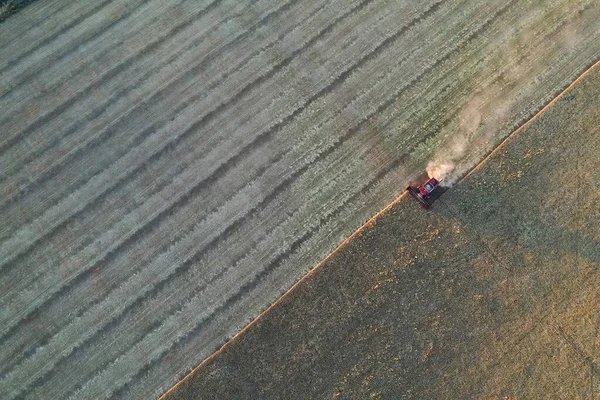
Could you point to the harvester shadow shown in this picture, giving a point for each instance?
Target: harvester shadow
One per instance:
(437, 193)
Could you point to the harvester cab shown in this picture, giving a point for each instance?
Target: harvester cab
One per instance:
(423, 193)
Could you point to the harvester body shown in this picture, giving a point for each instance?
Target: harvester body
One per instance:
(422, 193)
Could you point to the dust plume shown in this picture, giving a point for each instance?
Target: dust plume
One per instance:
(444, 164)
(486, 115)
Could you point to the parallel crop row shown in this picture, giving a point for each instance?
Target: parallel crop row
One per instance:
(184, 164)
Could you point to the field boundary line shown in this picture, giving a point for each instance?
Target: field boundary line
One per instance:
(371, 221)
(530, 120)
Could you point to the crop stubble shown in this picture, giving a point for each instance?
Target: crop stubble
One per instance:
(491, 295)
(226, 164)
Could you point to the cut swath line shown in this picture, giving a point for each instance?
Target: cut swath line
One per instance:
(275, 128)
(285, 121)
(476, 31)
(62, 30)
(108, 75)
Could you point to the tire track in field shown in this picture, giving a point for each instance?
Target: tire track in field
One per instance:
(194, 186)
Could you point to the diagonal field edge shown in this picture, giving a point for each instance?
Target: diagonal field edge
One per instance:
(471, 35)
(285, 121)
(362, 228)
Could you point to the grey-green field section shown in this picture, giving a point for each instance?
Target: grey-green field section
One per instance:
(169, 168)
(10, 7)
(492, 294)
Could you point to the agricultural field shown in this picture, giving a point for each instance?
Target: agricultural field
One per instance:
(169, 168)
(492, 294)
(10, 7)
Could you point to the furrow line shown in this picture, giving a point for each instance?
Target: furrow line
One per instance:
(244, 149)
(105, 20)
(124, 266)
(349, 175)
(108, 47)
(290, 202)
(149, 148)
(124, 167)
(183, 96)
(196, 345)
(76, 297)
(379, 176)
(107, 50)
(80, 16)
(169, 328)
(311, 249)
(282, 185)
(38, 16)
(90, 141)
(141, 71)
(63, 343)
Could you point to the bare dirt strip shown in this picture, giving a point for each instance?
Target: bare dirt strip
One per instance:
(168, 169)
(492, 294)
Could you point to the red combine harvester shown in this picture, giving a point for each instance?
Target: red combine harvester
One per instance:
(422, 193)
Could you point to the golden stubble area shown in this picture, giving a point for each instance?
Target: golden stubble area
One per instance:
(492, 294)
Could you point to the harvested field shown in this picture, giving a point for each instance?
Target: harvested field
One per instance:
(168, 169)
(491, 295)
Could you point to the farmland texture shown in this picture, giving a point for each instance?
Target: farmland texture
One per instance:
(493, 294)
(9, 7)
(168, 169)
